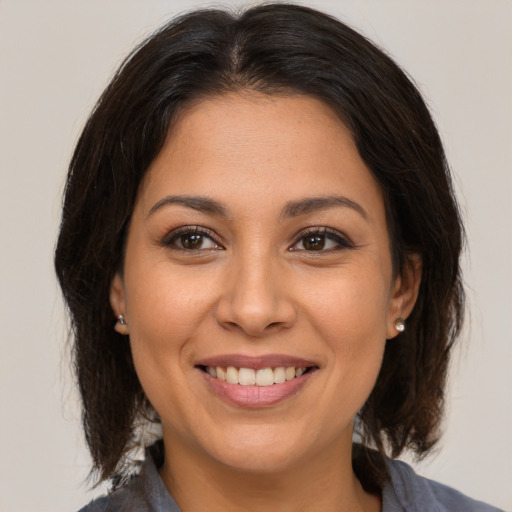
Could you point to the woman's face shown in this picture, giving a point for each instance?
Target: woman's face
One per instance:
(258, 241)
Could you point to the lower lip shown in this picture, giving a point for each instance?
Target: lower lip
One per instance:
(256, 396)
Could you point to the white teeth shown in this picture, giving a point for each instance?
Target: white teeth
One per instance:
(251, 377)
(279, 375)
(290, 373)
(232, 375)
(247, 377)
(264, 377)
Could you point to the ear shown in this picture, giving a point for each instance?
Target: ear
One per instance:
(404, 293)
(118, 302)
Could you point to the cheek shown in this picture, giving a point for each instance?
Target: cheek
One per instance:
(349, 304)
(165, 309)
(349, 312)
(164, 300)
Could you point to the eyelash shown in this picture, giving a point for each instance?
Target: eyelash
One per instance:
(341, 241)
(171, 238)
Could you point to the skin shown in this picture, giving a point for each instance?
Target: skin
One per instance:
(254, 287)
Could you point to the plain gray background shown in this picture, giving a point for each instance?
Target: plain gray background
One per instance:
(55, 58)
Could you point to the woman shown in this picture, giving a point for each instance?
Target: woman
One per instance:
(260, 251)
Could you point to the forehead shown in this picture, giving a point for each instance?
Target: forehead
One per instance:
(243, 123)
(252, 145)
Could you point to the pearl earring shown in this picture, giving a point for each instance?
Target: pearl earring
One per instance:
(121, 320)
(399, 324)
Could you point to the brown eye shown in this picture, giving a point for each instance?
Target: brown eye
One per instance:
(314, 242)
(191, 241)
(322, 240)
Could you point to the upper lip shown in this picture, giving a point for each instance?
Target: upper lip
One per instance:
(255, 362)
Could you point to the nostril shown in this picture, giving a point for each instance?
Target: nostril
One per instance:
(255, 313)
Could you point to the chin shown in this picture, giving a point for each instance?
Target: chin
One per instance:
(258, 449)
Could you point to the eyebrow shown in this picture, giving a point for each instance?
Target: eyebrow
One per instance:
(199, 203)
(291, 209)
(313, 204)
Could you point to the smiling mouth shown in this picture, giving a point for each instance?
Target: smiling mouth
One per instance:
(262, 377)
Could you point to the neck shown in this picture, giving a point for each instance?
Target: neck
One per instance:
(325, 482)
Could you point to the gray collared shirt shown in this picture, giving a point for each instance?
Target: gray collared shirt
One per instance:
(404, 492)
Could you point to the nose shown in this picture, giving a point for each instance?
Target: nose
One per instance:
(255, 299)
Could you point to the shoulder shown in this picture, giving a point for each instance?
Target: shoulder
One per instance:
(144, 492)
(129, 498)
(406, 491)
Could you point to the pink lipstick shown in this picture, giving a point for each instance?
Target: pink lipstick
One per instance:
(249, 381)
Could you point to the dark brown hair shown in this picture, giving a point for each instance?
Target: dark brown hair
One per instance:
(274, 49)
